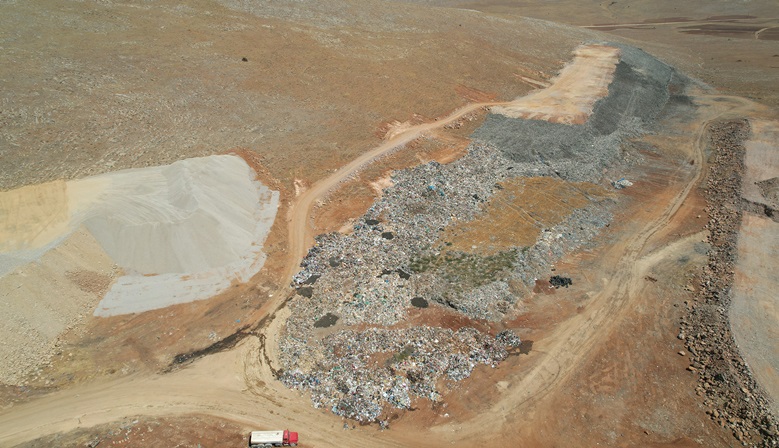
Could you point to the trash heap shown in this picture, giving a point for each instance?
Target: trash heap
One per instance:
(336, 344)
(359, 371)
(367, 276)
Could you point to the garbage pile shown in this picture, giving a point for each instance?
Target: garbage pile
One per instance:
(622, 183)
(374, 262)
(558, 281)
(361, 372)
(573, 233)
(393, 261)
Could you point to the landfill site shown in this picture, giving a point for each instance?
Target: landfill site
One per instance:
(388, 223)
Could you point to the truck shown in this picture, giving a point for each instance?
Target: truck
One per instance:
(272, 438)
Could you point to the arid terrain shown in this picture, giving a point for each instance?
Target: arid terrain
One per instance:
(389, 223)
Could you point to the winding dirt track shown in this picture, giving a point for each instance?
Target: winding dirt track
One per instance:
(211, 385)
(239, 386)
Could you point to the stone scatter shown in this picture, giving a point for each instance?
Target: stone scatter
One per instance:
(734, 398)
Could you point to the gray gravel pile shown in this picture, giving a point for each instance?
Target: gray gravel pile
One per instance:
(361, 372)
(637, 95)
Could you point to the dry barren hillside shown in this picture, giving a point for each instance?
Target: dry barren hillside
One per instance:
(386, 223)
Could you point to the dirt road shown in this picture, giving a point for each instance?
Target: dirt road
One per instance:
(239, 386)
(211, 385)
(223, 385)
(573, 340)
(300, 233)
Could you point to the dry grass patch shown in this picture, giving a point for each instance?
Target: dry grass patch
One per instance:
(518, 212)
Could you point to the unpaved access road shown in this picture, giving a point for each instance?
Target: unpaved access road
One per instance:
(574, 339)
(239, 386)
(223, 385)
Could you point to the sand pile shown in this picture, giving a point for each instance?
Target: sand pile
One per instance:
(180, 232)
(134, 240)
(573, 93)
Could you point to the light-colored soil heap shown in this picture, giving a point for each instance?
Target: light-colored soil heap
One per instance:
(179, 232)
(575, 90)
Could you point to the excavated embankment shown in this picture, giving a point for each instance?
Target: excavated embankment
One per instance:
(734, 398)
(641, 88)
(347, 341)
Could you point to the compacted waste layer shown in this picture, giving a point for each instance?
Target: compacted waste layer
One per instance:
(397, 255)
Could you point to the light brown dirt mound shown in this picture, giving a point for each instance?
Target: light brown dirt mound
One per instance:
(32, 216)
(180, 233)
(573, 92)
(46, 298)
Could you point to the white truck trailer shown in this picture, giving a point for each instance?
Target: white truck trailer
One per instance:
(272, 438)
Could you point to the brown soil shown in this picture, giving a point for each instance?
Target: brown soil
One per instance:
(353, 197)
(601, 363)
(142, 432)
(606, 348)
(632, 388)
(516, 215)
(574, 90)
(719, 59)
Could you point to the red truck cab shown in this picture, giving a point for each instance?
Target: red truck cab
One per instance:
(290, 438)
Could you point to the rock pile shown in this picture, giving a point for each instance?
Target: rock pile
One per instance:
(357, 373)
(733, 395)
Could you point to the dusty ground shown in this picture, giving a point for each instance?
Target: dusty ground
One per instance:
(584, 377)
(162, 82)
(755, 311)
(717, 41)
(141, 432)
(129, 87)
(619, 290)
(574, 91)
